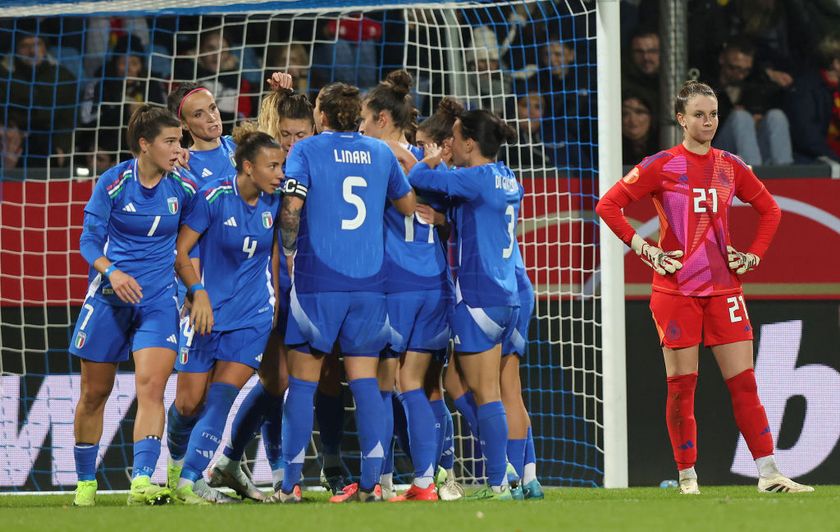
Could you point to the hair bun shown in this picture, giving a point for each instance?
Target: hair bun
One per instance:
(400, 82)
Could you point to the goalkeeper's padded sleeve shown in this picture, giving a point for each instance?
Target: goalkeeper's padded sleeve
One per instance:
(770, 216)
(609, 209)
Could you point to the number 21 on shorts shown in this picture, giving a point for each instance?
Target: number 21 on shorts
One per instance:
(736, 303)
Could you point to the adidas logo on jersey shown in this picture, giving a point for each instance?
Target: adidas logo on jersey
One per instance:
(129, 208)
(231, 222)
(457, 340)
(206, 173)
(172, 339)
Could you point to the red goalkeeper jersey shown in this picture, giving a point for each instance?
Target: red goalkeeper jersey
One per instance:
(692, 195)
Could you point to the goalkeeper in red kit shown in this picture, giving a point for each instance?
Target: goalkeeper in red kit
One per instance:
(696, 286)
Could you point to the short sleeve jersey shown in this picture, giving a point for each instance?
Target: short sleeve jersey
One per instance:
(142, 226)
(485, 221)
(235, 246)
(346, 180)
(692, 194)
(218, 163)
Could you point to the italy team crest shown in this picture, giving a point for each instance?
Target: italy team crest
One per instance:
(173, 205)
(184, 355)
(81, 337)
(267, 220)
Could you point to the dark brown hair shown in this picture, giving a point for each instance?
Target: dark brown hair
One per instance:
(146, 122)
(249, 141)
(342, 105)
(439, 125)
(394, 95)
(690, 89)
(487, 129)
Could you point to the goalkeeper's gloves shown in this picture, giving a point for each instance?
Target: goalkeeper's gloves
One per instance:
(662, 262)
(741, 262)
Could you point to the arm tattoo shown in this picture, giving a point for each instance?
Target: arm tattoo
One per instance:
(290, 221)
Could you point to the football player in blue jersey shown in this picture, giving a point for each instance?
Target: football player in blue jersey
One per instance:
(130, 226)
(487, 302)
(437, 129)
(210, 152)
(418, 295)
(210, 157)
(288, 118)
(336, 187)
(230, 318)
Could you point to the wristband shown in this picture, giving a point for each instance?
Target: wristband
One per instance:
(196, 287)
(109, 270)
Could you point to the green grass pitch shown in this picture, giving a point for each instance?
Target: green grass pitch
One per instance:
(738, 508)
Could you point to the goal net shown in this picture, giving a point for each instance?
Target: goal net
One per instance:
(72, 72)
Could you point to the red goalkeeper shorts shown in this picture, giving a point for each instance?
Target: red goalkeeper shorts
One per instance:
(680, 320)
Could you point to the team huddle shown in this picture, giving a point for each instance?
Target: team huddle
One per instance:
(310, 247)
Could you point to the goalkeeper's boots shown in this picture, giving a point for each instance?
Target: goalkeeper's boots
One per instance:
(145, 493)
(517, 493)
(173, 474)
(282, 497)
(85, 493)
(186, 495)
(533, 490)
(781, 484)
(228, 473)
(333, 479)
(450, 490)
(416, 493)
(689, 486)
(488, 493)
(212, 495)
(352, 492)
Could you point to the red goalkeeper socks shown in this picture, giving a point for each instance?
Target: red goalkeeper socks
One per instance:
(749, 414)
(679, 416)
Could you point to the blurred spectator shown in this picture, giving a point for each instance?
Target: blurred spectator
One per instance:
(751, 125)
(350, 55)
(11, 146)
(640, 70)
(529, 151)
(488, 86)
(290, 58)
(570, 105)
(814, 106)
(41, 99)
(109, 103)
(218, 70)
(100, 155)
(638, 129)
(103, 33)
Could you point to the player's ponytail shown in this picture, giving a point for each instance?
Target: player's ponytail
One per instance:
(249, 141)
(280, 105)
(690, 89)
(439, 125)
(146, 122)
(394, 95)
(487, 129)
(342, 106)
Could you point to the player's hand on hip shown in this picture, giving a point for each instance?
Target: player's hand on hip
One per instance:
(661, 261)
(201, 313)
(741, 262)
(126, 287)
